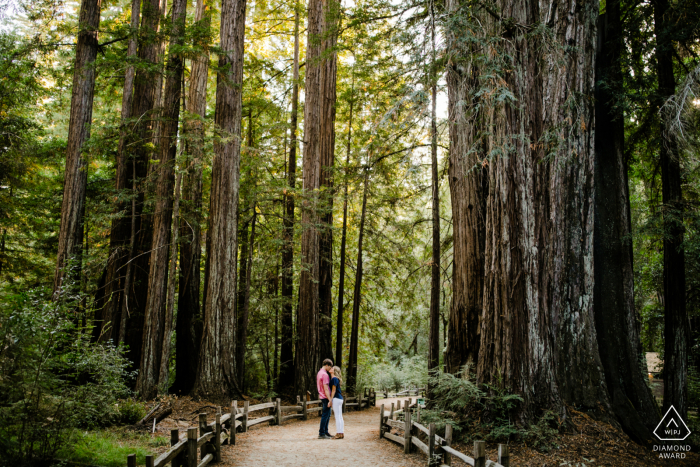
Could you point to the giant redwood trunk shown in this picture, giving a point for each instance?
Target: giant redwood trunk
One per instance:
(286, 374)
(216, 372)
(329, 66)
(70, 238)
(130, 244)
(676, 332)
(467, 192)
(613, 299)
(538, 335)
(189, 322)
(319, 116)
(111, 295)
(156, 304)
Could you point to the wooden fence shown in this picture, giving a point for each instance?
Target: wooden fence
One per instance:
(208, 438)
(408, 433)
(405, 392)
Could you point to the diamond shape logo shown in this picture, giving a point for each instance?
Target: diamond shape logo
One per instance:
(672, 427)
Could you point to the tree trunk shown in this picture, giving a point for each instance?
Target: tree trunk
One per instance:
(121, 241)
(319, 113)
(164, 373)
(156, 304)
(676, 333)
(329, 66)
(613, 294)
(343, 239)
(538, 328)
(70, 237)
(468, 185)
(138, 231)
(357, 295)
(189, 319)
(244, 311)
(434, 314)
(216, 372)
(286, 375)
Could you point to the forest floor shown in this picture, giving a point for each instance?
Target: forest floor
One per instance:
(296, 443)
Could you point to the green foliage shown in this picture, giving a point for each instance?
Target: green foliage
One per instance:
(52, 378)
(109, 448)
(485, 413)
(411, 372)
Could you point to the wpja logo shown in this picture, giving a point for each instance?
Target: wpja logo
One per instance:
(672, 428)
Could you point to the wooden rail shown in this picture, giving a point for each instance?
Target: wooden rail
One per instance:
(208, 438)
(407, 433)
(405, 392)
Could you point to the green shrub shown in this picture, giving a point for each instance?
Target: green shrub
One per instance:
(129, 411)
(484, 413)
(52, 378)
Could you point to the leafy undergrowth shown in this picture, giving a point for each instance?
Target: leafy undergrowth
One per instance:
(110, 447)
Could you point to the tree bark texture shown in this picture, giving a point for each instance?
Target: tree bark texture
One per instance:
(357, 295)
(120, 237)
(617, 322)
(318, 110)
(329, 67)
(189, 320)
(676, 332)
(156, 303)
(286, 375)
(138, 231)
(70, 238)
(434, 311)
(216, 372)
(468, 184)
(538, 329)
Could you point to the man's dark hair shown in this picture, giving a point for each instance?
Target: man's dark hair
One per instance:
(328, 362)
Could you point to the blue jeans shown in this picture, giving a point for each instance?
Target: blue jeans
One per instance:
(325, 417)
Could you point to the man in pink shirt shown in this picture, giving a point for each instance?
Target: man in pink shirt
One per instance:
(324, 393)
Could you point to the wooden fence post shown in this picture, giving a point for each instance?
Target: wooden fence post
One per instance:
(131, 460)
(217, 437)
(446, 458)
(479, 454)
(278, 411)
(149, 461)
(359, 402)
(398, 405)
(232, 426)
(246, 404)
(203, 429)
(417, 413)
(391, 415)
(174, 439)
(407, 431)
(381, 421)
(503, 455)
(191, 447)
(431, 444)
(304, 407)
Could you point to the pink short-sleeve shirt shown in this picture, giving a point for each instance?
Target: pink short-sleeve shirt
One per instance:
(321, 379)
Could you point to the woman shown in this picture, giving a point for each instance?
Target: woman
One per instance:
(337, 401)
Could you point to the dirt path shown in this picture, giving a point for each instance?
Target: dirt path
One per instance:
(296, 443)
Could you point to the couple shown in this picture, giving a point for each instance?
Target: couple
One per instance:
(328, 382)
